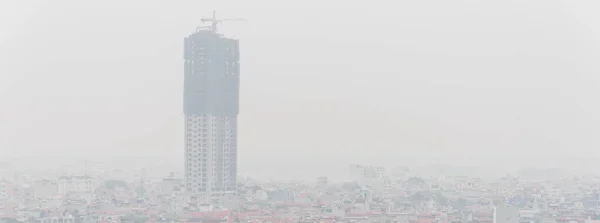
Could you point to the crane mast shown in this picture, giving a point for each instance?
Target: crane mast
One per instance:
(214, 21)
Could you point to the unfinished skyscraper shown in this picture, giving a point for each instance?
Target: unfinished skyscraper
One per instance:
(211, 92)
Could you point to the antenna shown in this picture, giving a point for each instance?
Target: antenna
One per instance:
(214, 21)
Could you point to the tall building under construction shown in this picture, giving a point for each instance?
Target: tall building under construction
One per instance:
(211, 105)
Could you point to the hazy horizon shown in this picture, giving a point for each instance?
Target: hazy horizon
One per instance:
(499, 84)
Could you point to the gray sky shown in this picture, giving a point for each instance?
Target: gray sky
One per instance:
(490, 82)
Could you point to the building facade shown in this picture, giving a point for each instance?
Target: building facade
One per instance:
(211, 95)
(75, 184)
(5, 191)
(506, 214)
(46, 188)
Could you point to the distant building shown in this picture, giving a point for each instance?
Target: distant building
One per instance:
(211, 95)
(360, 172)
(364, 200)
(506, 214)
(280, 195)
(6, 193)
(322, 181)
(75, 184)
(369, 176)
(168, 185)
(44, 189)
(401, 173)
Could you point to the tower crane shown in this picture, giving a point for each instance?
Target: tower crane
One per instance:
(214, 21)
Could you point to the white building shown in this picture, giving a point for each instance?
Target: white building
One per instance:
(360, 172)
(505, 214)
(322, 181)
(371, 176)
(63, 218)
(5, 191)
(45, 189)
(180, 200)
(75, 184)
(170, 185)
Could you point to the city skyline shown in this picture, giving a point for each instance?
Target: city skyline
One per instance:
(143, 111)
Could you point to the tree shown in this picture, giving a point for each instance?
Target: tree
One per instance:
(9, 220)
(350, 186)
(417, 198)
(441, 200)
(459, 203)
(140, 219)
(416, 181)
(127, 218)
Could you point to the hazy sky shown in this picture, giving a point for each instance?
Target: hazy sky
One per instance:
(488, 82)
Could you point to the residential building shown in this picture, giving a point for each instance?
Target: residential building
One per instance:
(506, 214)
(77, 187)
(322, 181)
(46, 188)
(211, 91)
(5, 191)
